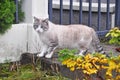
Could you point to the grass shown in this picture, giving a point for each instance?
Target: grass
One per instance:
(27, 72)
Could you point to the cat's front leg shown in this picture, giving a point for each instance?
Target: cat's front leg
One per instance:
(43, 51)
(50, 53)
(52, 46)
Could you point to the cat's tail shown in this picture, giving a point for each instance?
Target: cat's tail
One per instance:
(96, 43)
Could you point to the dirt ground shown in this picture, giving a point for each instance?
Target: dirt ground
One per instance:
(110, 48)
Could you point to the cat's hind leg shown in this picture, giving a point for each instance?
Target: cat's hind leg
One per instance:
(84, 46)
(82, 52)
(92, 49)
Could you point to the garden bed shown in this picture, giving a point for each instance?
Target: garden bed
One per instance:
(55, 66)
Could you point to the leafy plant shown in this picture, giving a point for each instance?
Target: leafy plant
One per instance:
(115, 36)
(7, 10)
(66, 54)
(92, 64)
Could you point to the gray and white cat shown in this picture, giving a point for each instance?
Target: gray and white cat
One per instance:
(76, 36)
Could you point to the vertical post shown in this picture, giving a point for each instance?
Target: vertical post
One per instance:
(108, 15)
(61, 10)
(80, 12)
(38, 8)
(117, 13)
(90, 13)
(71, 11)
(50, 9)
(16, 13)
(99, 14)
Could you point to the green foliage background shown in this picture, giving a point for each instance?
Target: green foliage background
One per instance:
(7, 10)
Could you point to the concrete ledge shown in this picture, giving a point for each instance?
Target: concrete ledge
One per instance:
(56, 5)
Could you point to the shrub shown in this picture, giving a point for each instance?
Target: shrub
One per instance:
(114, 33)
(7, 10)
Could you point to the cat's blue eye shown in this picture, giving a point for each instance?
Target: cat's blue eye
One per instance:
(35, 26)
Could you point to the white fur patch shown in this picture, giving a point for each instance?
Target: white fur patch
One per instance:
(49, 55)
(39, 29)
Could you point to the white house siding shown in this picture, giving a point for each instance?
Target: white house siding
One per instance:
(13, 43)
(21, 37)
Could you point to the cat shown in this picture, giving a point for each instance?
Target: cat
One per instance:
(74, 36)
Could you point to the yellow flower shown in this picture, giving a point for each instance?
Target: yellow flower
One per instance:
(78, 60)
(117, 77)
(104, 67)
(89, 68)
(87, 65)
(78, 65)
(85, 71)
(103, 61)
(90, 71)
(93, 70)
(118, 68)
(72, 68)
(71, 64)
(88, 57)
(66, 61)
(111, 67)
(112, 64)
(94, 61)
(109, 72)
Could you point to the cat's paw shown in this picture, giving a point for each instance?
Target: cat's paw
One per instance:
(40, 55)
(48, 55)
(80, 54)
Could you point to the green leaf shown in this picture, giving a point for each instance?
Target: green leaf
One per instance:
(108, 34)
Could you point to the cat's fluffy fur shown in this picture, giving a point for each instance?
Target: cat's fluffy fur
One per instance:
(75, 36)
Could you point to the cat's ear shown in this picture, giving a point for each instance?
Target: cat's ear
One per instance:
(46, 21)
(36, 19)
